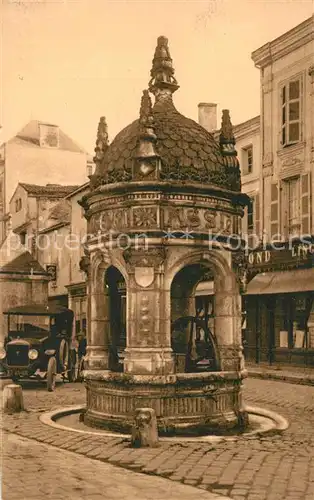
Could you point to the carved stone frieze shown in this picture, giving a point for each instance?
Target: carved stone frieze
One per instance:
(171, 218)
(144, 217)
(198, 219)
(146, 318)
(144, 257)
(291, 161)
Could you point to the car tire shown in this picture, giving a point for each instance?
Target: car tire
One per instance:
(80, 369)
(73, 368)
(51, 374)
(63, 355)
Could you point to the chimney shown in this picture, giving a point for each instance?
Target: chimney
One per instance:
(207, 116)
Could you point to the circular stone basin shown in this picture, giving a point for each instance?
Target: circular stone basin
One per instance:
(260, 421)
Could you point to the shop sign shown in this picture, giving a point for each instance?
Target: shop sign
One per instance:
(277, 256)
(52, 271)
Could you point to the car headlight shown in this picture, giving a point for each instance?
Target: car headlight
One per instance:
(2, 353)
(33, 354)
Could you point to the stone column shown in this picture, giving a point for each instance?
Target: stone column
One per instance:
(228, 319)
(98, 312)
(148, 348)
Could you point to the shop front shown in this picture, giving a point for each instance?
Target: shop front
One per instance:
(279, 306)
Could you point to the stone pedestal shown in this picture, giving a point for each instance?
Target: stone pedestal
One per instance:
(144, 430)
(13, 399)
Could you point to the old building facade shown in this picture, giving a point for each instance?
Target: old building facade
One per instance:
(39, 152)
(279, 300)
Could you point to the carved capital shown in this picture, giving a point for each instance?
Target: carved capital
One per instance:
(145, 257)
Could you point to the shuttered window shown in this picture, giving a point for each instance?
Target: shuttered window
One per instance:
(297, 205)
(305, 204)
(257, 224)
(291, 112)
(251, 224)
(293, 199)
(274, 212)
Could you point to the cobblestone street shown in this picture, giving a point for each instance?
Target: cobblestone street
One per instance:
(271, 467)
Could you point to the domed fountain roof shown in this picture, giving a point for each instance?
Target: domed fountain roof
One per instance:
(186, 151)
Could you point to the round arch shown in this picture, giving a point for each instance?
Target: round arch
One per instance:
(227, 299)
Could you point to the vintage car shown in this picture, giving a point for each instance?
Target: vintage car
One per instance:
(39, 344)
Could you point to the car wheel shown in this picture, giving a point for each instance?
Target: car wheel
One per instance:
(80, 369)
(51, 374)
(73, 371)
(63, 355)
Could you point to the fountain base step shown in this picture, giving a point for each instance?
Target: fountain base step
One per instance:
(190, 404)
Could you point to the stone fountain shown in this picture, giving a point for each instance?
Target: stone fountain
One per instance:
(164, 209)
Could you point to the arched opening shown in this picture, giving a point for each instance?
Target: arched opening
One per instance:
(115, 289)
(193, 338)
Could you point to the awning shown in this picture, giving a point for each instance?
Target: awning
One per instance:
(205, 288)
(300, 280)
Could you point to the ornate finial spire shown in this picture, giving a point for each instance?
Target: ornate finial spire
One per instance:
(227, 143)
(102, 143)
(162, 72)
(226, 138)
(146, 117)
(145, 156)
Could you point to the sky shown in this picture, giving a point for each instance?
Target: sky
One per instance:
(69, 62)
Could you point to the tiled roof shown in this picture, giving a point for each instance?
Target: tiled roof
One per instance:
(53, 190)
(31, 133)
(61, 212)
(179, 139)
(25, 264)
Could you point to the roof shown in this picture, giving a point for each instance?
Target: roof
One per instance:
(31, 133)
(81, 188)
(23, 264)
(286, 43)
(50, 190)
(187, 152)
(39, 310)
(251, 122)
(61, 212)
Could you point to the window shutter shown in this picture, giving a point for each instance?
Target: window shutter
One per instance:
(285, 209)
(274, 209)
(257, 215)
(305, 204)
